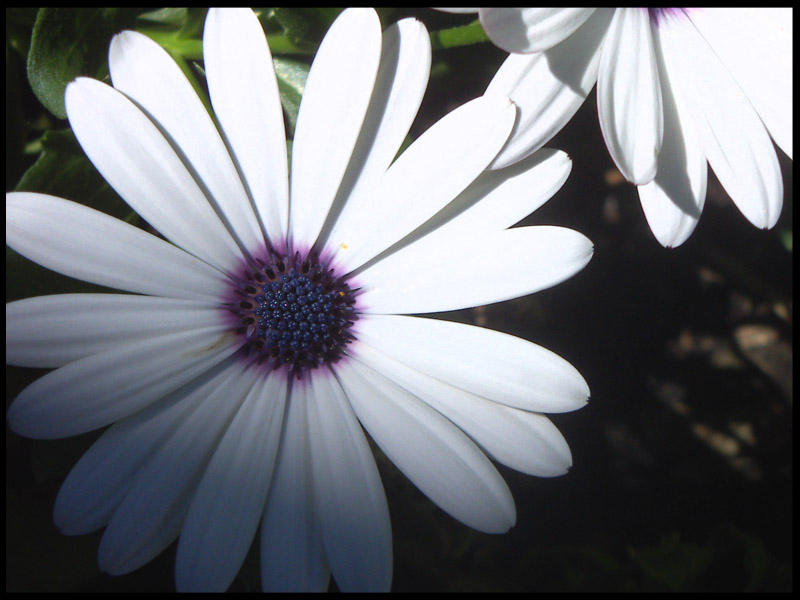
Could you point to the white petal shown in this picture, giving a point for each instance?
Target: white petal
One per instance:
(335, 100)
(429, 276)
(140, 164)
(244, 93)
(629, 95)
(522, 440)
(501, 198)
(292, 554)
(732, 136)
(400, 85)
(83, 243)
(151, 515)
(755, 44)
(51, 331)
(348, 494)
(432, 452)
(456, 10)
(97, 484)
(437, 167)
(495, 365)
(228, 504)
(531, 29)
(673, 201)
(496, 200)
(103, 388)
(549, 87)
(146, 73)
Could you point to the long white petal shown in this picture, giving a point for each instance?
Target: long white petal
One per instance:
(501, 198)
(244, 93)
(732, 136)
(348, 493)
(531, 29)
(335, 101)
(629, 95)
(51, 331)
(399, 88)
(103, 388)
(83, 243)
(146, 73)
(428, 276)
(497, 199)
(437, 167)
(432, 452)
(227, 506)
(549, 87)
(151, 515)
(97, 484)
(495, 365)
(755, 44)
(674, 200)
(137, 161)
(522, 440)
(292, 554)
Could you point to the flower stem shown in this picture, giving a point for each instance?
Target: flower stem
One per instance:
(463, 35)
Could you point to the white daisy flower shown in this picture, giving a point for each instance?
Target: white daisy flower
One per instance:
(676, 88)
(273, 324)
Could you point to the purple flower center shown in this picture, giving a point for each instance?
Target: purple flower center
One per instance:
(295, 313)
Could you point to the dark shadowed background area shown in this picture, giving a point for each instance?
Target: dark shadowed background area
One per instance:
(682, 476)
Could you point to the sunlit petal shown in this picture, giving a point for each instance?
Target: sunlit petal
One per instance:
(732, 136)
(292, 554)
(755, 45)
(487, 363)
(227, 506)
(348, 494)
(531, 29)
(244, 93)
(461, 480)
(86, 244)
(142, 166)
(549, 87)
(335, 102)
(629, 95)
(51, 331)
(146, 73)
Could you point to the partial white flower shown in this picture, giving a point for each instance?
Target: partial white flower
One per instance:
(676, 88)
(273, 322)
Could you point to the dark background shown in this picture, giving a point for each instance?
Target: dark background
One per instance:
(682, 476)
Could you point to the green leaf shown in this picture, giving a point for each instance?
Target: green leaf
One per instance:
(15, 120)
(178, 30)
(672, 564)
(172, 19)
(306, 25)
(67, 43)
(786, 239)
(182, 48)
(186, 22)
(292, 77)
(454, 37)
